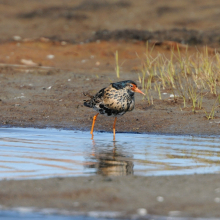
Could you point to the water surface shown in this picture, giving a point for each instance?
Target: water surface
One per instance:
(39, 153)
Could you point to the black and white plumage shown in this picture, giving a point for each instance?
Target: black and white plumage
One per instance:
(114, 100)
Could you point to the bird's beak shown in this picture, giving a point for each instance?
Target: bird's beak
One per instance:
(138, 90)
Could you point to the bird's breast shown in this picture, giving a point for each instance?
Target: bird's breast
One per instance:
(119, 100)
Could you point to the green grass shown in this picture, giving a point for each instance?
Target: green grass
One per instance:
(117, 66)
(188, 77)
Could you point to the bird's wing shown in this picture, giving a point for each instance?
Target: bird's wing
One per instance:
(102, 99)
(97, 98)
(99, 95)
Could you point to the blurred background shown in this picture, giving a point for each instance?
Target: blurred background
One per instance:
(189, 21)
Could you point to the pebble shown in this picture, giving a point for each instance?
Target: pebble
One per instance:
(63, 43)
(50, 56)
(160, 199)
(142, 211)
(217, 200)
(19, 97)
(28, 62)
(16, 38)
(172, 95)
(174, 213)
(49, 87)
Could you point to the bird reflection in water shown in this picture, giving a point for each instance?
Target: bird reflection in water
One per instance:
(110, 161)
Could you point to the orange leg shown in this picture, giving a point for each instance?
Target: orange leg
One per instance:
(114, 128)
(93, 123)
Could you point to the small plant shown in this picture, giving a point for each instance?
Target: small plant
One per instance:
(212, 113)
(157, 88)
(117, 66)
(189, 78)
(147, 91)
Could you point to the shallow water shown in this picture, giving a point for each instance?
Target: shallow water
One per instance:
(39, 153)
(24, 213)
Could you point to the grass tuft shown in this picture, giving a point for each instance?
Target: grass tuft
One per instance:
(188, 78)
(117, 66)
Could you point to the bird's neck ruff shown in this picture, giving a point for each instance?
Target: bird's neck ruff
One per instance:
(131, 93)
(122, 84)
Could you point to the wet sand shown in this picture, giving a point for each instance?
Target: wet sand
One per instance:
(53, 98)
(43, 76)
(50, 94)
(186, 196)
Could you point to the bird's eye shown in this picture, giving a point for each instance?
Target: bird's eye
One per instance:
(131, 85)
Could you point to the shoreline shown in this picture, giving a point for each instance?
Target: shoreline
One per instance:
(186, 195)
(179, 196)
(57, 127)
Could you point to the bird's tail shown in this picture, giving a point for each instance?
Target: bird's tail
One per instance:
(88, 103)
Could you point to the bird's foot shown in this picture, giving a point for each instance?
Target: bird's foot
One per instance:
(92, 136)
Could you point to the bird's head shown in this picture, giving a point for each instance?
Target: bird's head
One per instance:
(129, 85)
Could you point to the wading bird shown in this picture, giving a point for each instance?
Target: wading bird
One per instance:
(114, 100)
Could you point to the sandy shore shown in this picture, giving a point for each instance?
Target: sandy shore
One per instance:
(186, 196)
(53, 97)
(51, 53)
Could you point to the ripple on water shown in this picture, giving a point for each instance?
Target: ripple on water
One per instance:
(39, 153)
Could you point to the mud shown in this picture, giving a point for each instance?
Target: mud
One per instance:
(158, 195)
(189, 22)
(52, 52)
(50, 94)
